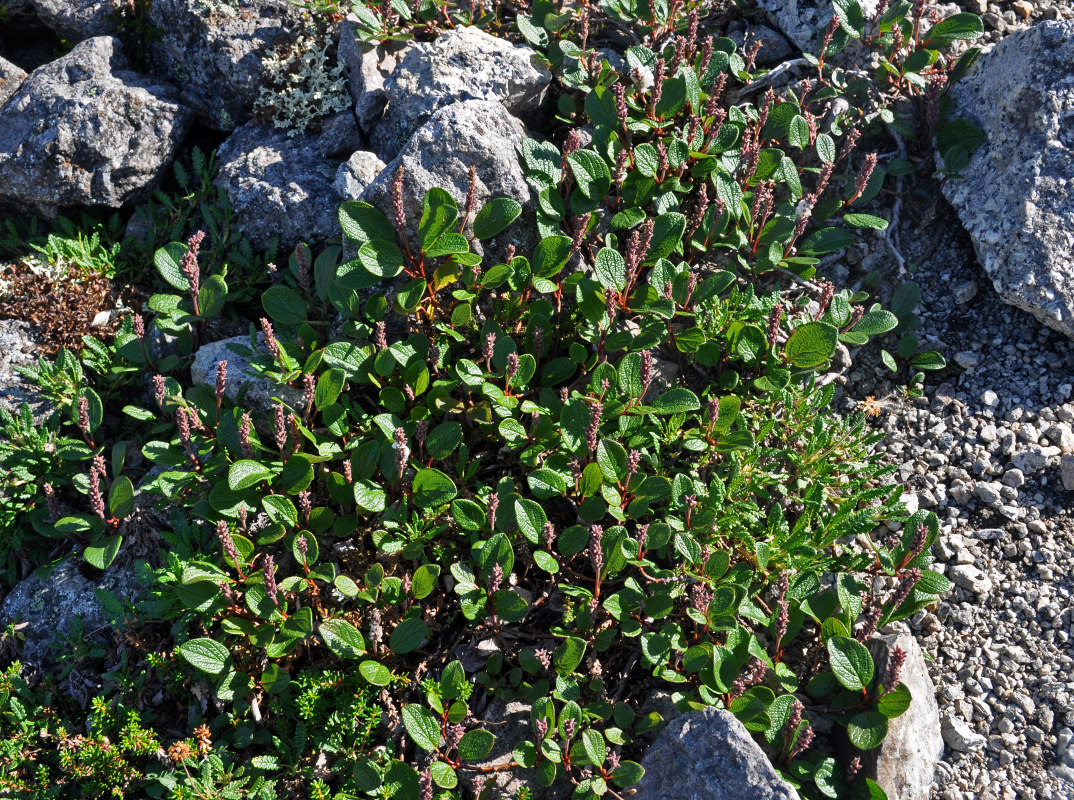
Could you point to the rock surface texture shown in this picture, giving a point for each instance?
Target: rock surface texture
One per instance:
(214, 50)
(475, 133)
(11, 78)
(1016, 200)
(906, 762)
(462, 64)
(76, 20)
(279, 185)
(367, 68)
(18, 349)
(802, 21)
(85, 130)
(259, 391)
(709, 755)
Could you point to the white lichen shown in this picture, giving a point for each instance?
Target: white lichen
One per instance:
(301, 87)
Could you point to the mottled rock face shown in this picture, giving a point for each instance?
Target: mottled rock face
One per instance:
(905, 763)
(213, 48)
(84, 130)
(18, 349)
(75, 20)
(367, 68)
(50, 605)
(279, 185)
(11, 78)
(802, 21)
(1016, 199)
(474, 133)
(462, 64)
(240, 375)
(709, 755)
(356, 173)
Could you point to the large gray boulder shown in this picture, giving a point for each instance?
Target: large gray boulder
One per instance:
(48, 606)
(85, 130)
(278, 185)
(904, 765)
(213, 50)
(11, 78)
(241, 377)
(462, 64)
(1016, 199)
(709, 755)
(476, 133)
(75, 20)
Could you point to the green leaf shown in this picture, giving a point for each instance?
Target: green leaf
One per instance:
(206, 655)
(284, 305)
(438, 214)
(894, 703)
(245, 473)
(676, 401)
(627, 774)
(877, 322)
(432, 488)
(569, 655)
(531, 520)
(546, 484)
(342, 638)
(867, 729)
(102, 553)
(667, 234)
(798, 132)
(610, 269)
(167, 260)
(329, 386)
(960, 26)
(211, 296)
(811, 345)
(550, 256)
(121, 497)
(422, 725)
(362, 222)
(95, 409)
(826, 240)
(468, 515)
(612, 459)
(375, 672)
(381, 258)
(851, 662)
(591, 173)
(408, 636)
(495, 216)
(595, 748)
(865, 221)
(424, 582)
(825, 148)
(475, 745)
(369, 496)
(929, 360)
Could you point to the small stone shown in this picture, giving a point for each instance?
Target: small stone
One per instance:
(990, 398)
(1022, 8)
(988, 433)
(967, 359)
(965, 291)
(1034, 459)
(960, 736)
(1014, 477)
(971, 578)
(1066, 471)
(988, 492)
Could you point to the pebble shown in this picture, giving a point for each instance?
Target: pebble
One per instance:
(960, 736)
(967, 359)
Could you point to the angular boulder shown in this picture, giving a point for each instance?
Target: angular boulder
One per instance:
(213, 51)
(367, 67)
(709, 755)
(803, 21)
(476, 133)
(1016, 198)
(11, 78)
(462, 64)
(84, 130)
(278, 185)
(904, 765)
(259, 391)
(75, 20)
(356, 173)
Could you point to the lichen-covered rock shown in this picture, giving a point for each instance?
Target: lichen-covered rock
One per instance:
(75, 20)
(709, 755)
(356, 173)
(11, 78)
(476, 133)
(17, 348)
(367, 67)
(1016, 198)
(259, 391)
(278, 185)
(84, 130)
(213, 49)
(803, 21)
(49, 606)
(905, 763)
(462, 64)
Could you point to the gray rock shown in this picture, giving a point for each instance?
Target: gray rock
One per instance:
(906, 762)
(803, 21)
(48, 606)
(969, 577)
(339, 135)
(85, 130)
(75, 20)
(367, 67)
(1066, 472)
(17, 348)
(278, 185)
(511, 724)
(709, 755)
(960, 736)
(260, 391)
(774, 48)
(213, 50)
(11, 78)
(1015, 200)
(356, 173)
(465, 63)
(1034, 458)
(475, 132)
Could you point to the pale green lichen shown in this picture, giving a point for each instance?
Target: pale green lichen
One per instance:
(301, 87)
